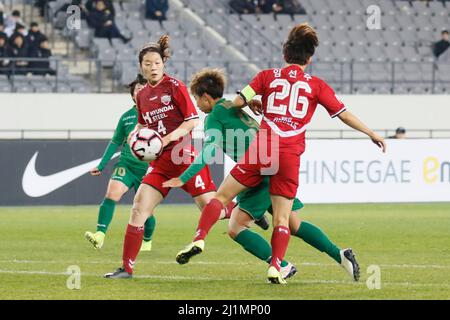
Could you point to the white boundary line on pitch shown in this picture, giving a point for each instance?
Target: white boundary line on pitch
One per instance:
(312, 264)
(403, 284)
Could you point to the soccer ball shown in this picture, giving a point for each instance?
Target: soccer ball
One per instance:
(146, 144)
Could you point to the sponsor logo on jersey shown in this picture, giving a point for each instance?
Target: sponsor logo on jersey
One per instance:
(166, 100)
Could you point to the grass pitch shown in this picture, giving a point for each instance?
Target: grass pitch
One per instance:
(409, 243)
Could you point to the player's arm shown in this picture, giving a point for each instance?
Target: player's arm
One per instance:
(116, 141)
(184, 129)
(245, 96)
(352, 121)
(208, 152)
(139, 126)
(184, 103)
(336, 108)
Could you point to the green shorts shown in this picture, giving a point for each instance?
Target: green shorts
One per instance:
(131, 177)
(256, 201)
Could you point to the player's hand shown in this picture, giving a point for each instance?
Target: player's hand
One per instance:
(165, 141)
(95, 172)
(379, 141)
(255, 106)
(173, 183)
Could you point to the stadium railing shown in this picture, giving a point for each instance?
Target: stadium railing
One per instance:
(95, 75)
(66, 134)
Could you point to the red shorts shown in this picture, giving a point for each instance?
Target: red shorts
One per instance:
(280, 165)
(163, 169)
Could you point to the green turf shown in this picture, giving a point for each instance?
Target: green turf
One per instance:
(410, 243)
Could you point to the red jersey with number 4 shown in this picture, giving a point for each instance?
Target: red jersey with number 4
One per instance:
(290, 98)
(165, 107)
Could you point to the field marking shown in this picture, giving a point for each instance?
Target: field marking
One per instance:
(306, 264)
(257, 280)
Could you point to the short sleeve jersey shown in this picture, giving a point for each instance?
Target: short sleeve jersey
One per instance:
(290, 98)
(164, 107)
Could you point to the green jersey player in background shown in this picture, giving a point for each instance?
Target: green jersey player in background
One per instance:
(128, 173)
(208, 86)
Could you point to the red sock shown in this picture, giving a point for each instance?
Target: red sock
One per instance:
(131, 246)
(229, 210)
(279, 242)
(210, 215)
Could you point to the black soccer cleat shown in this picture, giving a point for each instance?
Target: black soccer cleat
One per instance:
(263, 223)
(189, 251)
(120, 273)
(349, 263)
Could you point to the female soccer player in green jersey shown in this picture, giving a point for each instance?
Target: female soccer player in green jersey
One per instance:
(230, 129)
(128, 173)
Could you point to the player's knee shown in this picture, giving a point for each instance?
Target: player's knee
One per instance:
(113, 195)
(222, 198)
(231, 233)
(280, 221)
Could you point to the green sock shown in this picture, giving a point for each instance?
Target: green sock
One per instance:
(315, 237)
(105, 214)
(149, 228)
(256, 245)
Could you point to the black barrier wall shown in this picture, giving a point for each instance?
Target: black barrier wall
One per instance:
(57, 173)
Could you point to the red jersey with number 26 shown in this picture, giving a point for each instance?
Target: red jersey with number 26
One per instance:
(165, 107)
(290, 98)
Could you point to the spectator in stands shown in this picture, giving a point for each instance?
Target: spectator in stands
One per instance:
(11, 21)
(90, 5)
(1, 15)
(243, 6)
(17, 49)
(42, 51)
(441, 46)
(288, 7)
(101, 19)
(3, 52)
(35, 36)
(156, 9)
(400, 133)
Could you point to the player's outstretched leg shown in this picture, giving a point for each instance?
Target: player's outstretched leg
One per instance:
(211, 213)
(149, 229)
(349, 263)
(105, 216)
(316, 238)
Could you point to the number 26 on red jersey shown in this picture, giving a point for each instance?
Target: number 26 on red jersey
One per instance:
(292, 91)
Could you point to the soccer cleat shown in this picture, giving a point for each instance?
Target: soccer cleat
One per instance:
(274, 276)
(146, 246)
(191, 250)
(263, 223)
(349, 263)
(120, 273)
(288, 271)
(96, 239)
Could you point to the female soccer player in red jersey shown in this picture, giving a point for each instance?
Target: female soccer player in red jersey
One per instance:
(164, 105)
(289, 100)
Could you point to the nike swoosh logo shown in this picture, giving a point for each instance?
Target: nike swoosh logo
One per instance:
(35, 185)
(151, 99)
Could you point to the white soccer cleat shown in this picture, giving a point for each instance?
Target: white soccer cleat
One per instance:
(274, 276)
(288, 271)
(349, 263)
